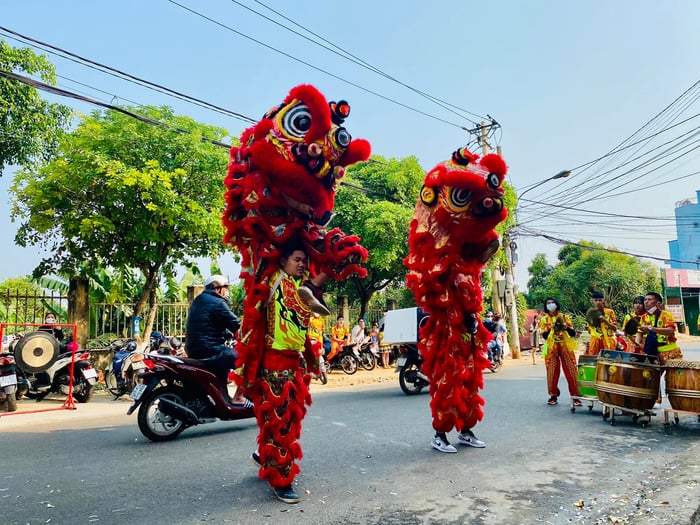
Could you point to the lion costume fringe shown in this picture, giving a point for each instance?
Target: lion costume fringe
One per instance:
(450, 239)
(281, 187)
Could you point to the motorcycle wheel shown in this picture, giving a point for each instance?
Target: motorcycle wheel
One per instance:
(323, 377)
(349, 364)
(85, 393)
(368, 361)
(111, 383)
(409, 381)
(153, 423)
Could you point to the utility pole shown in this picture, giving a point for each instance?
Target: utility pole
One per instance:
(510, 303)
(511, 299)
(495, 273)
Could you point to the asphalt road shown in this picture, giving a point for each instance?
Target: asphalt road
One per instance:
(367, 460)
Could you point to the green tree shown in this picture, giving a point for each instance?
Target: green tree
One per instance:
(16, 287)
(592, 266)
(122, 193)
(29, 126)
(380, 215)
(539, 270)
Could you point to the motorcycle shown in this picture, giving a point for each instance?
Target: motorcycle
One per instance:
(122, 375)
(162, 344)
(44, 370)
(176, 393)
(367, 354)
(495, 355)
(347, 360)
(411, 379)
(8, 382)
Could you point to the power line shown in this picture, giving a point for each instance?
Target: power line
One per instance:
(132, 78)
(557, 240)
(321, 70)
(65, 93)
(343, 53)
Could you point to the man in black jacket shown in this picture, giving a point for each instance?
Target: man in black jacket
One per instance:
(210, 322)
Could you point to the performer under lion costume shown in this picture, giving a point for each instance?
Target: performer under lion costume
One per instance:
(450, 239)
(281, 187)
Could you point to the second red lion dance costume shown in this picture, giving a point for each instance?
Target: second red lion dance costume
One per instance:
(281, 189)
(451, 237)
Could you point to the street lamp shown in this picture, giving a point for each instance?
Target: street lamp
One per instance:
(510, 263)
(561, 175)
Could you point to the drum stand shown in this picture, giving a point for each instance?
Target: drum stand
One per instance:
(609, 412)
(588, 399)
(675, 412)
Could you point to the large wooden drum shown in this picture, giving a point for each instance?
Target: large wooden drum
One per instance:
(683, 384)
(586, 375)
(627, 380)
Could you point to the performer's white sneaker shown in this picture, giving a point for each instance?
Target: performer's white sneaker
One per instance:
(468, 438)
(440, 443)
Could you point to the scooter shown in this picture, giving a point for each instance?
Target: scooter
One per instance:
(121, 376)
(348, 359)
(162, 344)
(411, 379)
(35, 365)
(495, 355)
(8, 382)
(176, 393)
(367, 354)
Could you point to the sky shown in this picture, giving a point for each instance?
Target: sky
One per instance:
(566, 81)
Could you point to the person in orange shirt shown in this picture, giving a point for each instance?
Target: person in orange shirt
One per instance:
(339, 337)
(603, 333)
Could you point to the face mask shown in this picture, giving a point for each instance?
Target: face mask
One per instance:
(551, 307)
(652, 310)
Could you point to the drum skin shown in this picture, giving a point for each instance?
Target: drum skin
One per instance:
(586, 375)
(627, 380)
(683, 384)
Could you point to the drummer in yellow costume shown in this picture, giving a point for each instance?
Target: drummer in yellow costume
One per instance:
(603, 334)
(558, 351)
(661, 323)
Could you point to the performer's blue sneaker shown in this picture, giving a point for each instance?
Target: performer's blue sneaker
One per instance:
(287, 494)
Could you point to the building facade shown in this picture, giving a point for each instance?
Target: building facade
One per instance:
(685, 250)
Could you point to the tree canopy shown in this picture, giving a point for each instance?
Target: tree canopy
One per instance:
(122, 193)
(30, 127)
(587, 267)
(380, 215)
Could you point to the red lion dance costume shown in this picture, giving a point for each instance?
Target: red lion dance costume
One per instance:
(450, 239)
(281, 187)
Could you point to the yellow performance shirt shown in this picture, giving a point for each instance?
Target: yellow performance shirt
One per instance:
(316, 327)
(287, 316)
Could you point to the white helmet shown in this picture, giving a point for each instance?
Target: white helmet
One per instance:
(216, 281)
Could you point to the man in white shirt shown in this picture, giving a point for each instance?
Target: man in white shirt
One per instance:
(358, 331)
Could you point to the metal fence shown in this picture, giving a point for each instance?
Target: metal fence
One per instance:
(118, 319)
(23, 307)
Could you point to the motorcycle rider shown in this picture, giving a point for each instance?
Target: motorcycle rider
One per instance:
(210, 322)
(492, 324)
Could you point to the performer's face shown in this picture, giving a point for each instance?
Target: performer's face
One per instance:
(598, 302)
(295, 264)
